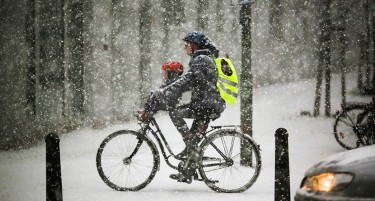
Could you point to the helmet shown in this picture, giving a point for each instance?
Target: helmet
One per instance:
(196, 37)
(203, 42)
(173, 66)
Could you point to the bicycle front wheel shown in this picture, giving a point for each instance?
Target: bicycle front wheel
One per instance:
(230, 162)
(347, 126)
(127, 161)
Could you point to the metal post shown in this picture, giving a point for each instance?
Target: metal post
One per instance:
(282, 180)
(53, 168)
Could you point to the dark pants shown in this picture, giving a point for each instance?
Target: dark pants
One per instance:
(201, 118)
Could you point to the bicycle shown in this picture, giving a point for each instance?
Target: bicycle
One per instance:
(127, 160)
(355, 125)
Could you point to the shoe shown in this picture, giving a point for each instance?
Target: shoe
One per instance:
(176, 176)
(180, 178)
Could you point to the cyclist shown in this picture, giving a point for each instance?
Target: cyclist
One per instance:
(206, 103)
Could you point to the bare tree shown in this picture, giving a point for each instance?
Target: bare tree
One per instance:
(167, 16)
(202, 15)
(373, 55)
(145, 46)
(361, 64)
(31, 59)
(220, 12)
(173, 14)
(275, 19)
(52, 67)
(324, 60)
(367, 44)
(75, 71)
(341, 28)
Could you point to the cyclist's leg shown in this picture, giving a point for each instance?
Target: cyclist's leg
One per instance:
(191, 140)
(192, 153)
(198, 127)
(177, 116)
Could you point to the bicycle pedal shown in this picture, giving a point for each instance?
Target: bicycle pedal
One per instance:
(185, 180)
(213, 181)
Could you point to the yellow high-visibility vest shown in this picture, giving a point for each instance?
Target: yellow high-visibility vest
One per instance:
(227, 81)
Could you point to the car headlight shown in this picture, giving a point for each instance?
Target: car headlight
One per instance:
(327, 182)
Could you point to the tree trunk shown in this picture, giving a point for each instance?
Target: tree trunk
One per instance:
(373, 56)
(324, 57)
(367, 45)
(202, 15)
(145, 47)
(76, 69)
(51, 41)
(318, 88)
(31, 59)
(178, 11)
(361, 63)
(275, 20)
(327, 103)
(246, 89)
(166, 23)
(327, 57)
(342, 52)
(220, 12)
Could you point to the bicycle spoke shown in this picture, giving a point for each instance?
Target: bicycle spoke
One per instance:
(348, 128)
(351, 123)
(218, 168)
(218, 150)
(225, 146)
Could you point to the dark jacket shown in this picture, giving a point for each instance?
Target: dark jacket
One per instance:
(156, 102)
(201, 80)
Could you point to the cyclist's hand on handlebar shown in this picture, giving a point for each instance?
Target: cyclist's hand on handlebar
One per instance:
(144, 115)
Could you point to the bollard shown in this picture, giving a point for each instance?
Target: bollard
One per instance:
(53, 168)
(282, 181)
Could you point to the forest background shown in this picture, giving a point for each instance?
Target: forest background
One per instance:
(67, 64)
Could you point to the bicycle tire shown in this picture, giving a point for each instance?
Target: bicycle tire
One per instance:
(122, 174)
(234, 178)
(345, 126)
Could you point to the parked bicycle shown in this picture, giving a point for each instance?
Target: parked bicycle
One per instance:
(229, 161)
(355, 125)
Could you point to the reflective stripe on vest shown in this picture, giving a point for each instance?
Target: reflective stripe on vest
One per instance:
(227, 82)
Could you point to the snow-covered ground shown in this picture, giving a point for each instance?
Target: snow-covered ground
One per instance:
(22, 173)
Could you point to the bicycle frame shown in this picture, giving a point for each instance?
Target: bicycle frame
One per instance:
(147, 126)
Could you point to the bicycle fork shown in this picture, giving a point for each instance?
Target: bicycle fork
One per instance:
(127, 160)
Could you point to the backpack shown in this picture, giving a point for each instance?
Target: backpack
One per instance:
(227, 80)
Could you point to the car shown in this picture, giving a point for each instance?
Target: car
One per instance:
(349, 176)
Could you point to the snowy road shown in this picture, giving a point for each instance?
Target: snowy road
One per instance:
(22, 172)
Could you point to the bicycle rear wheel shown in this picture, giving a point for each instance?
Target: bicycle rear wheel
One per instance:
(121, 171)
(221, 165)
(347, 125)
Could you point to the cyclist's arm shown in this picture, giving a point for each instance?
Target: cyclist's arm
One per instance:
(181, 85)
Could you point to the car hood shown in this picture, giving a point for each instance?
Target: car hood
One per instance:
(354, 160)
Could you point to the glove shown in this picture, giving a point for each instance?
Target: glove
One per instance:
(144, 115)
